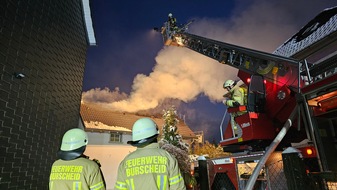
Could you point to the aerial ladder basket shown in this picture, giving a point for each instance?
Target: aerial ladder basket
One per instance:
(251, 123)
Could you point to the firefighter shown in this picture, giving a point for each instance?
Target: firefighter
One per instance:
(238, 96)
(172, 22)
(148, 167)
(73, 170)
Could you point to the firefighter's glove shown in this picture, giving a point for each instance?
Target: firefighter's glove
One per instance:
(236, 104)
(225, 101)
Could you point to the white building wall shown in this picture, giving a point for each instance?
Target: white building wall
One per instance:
(109, 156)
(126, 138)
(98, 138)
(103, 138)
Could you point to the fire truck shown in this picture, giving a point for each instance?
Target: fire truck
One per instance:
(287, 136)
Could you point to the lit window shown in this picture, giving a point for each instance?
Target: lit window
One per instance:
(115, 137)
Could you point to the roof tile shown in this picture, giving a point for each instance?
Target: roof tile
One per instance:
(92, 113)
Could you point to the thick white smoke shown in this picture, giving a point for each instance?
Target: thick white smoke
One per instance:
(182, 74)
(179, 74)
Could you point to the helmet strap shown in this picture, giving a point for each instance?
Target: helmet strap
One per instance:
(234, 84)
(144, 142)
(72, 154)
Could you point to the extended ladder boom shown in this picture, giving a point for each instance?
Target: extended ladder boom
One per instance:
(277, 69)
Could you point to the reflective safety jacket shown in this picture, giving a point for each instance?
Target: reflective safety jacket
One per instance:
(149, 168)
(77, 174)
(238, 94)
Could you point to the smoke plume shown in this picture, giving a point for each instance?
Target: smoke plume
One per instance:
(181, 74)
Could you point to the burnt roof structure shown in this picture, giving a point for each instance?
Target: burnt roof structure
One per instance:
(117, 120)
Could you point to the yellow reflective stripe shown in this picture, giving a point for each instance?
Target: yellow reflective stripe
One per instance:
(131, 184)
(120, 185)
(51, 184)
(77, 185)
(97, 186)
(175, 179)
(161, 182)
(132, 187)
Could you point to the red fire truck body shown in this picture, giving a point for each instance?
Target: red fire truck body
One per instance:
(292, 102)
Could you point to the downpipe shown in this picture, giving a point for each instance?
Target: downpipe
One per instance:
(271, 148)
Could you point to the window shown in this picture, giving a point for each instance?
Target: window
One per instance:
(115, 137)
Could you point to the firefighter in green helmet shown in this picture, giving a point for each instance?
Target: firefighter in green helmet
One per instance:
(148, 167)
(237, 97)
(237, 94)
(73, 170)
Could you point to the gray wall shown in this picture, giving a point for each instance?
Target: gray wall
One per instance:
(46, 41)
(103, 138)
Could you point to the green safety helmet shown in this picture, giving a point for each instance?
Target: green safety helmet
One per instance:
(228, 84)
(144, 131)
(73, 144)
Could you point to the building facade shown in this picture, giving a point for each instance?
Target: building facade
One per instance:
(43, 47)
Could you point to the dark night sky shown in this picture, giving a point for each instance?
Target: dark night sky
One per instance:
(131, 70)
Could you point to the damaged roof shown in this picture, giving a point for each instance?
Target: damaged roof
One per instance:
(115, 121)
(324, 25)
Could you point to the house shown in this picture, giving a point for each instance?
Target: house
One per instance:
(109, 132)
(110, 127)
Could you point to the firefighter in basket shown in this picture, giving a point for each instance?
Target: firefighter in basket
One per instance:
(172, 22)
(237, 97)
